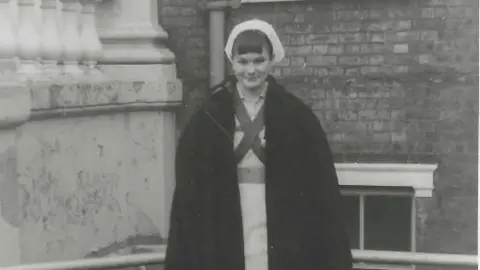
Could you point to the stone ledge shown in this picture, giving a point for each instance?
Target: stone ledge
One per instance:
(107, 93)
(21, 102)
(417, 176)
(42, 114)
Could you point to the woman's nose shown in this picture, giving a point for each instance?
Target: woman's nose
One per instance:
(251, 68)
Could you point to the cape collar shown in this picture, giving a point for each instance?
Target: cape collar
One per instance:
(221, 110)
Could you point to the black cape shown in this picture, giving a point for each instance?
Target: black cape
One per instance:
(304, 211)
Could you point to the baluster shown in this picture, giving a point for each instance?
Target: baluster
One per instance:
(28, 47)
(91, 45)
(72, 50)
(51, 44)
(7, 41)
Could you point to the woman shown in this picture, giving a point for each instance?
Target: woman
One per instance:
(256, 185)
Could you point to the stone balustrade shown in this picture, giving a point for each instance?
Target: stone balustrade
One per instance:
(48, 38)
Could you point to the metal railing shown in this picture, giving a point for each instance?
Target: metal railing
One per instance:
(372, 256)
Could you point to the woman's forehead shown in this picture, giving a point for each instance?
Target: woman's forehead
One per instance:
(252, 54)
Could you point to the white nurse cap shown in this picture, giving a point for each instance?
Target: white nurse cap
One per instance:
(259, 25)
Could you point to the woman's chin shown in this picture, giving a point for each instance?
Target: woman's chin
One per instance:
(251, 84)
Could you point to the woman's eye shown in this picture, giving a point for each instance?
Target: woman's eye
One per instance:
(242, 62)
(259, 61)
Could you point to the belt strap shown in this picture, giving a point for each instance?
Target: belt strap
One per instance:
(251, 130)
(251, 175)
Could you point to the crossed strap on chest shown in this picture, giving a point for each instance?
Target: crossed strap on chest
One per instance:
(251, 131)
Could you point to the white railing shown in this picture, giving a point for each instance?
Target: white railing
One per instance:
(139, 260)
(46, 38)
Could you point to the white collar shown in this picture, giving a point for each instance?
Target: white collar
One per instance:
(260, 97)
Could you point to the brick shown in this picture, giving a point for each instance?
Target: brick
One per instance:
(297, 39)
(353, 48)
(322, 60)
(321, 38)
(376, 60)
(353, 60)
(352, 71)
(299, 17)
(319, 95)
(397, 115)
(342, 5)
(440, 12)
(298, 50)
(335, 71)
(382, 136)
(347, 26)
(399, 136)
(427, 24)
(400, 48)
(321, 71)
(184, 21)
(188, 11)
(352, 15)
(351, 37)
(297, 62)
(402, 25)
(376, 37)
(377, 102)
(283, 17)
(371, 115)
(428, 13)
(400, 59)
(334, 49)
(377, 14)
(402, 36)
(377, 26)
(460, 12)
(423, 47)
(396, 13)
(297, 71)
(298, 28)
(376, 48)
(371, 70)
(170, 11)
(425, 59)
(429, 35)
(320, 49)
(400, 69)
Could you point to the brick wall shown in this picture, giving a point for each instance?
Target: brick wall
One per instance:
(390, 80)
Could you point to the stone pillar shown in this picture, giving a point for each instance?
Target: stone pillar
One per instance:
(134, 49)
(130, 33)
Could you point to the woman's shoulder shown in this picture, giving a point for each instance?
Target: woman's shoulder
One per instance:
(290, 99)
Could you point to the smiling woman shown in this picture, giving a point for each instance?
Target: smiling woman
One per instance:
(256, 187)
(252, 61)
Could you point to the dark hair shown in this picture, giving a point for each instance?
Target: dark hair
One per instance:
(252, 41)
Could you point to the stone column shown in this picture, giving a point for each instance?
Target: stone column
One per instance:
(134, 49)
(130, 33)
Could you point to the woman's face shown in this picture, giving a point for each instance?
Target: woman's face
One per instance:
(252, 69)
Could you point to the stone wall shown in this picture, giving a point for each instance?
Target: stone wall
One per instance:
(391, 81)
(90, 169)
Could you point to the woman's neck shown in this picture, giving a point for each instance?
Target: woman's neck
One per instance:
(252, 93)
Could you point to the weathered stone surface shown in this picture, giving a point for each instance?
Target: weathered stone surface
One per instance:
(89, 182)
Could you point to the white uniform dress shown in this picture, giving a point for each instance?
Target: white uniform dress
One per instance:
(251, 172)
